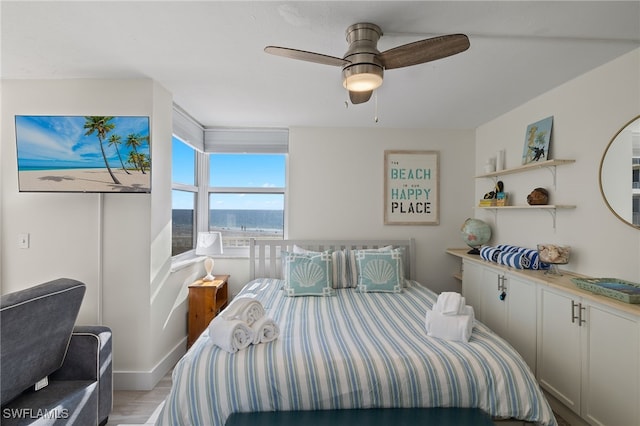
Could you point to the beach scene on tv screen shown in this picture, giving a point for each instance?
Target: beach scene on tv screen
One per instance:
(83, 153)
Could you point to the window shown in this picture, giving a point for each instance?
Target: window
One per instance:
(227, 180)
(246, 196)
(183, 197)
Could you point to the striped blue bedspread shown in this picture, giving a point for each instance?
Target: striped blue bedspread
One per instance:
(352, 350)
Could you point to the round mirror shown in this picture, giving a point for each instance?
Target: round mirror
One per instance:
(620, 174)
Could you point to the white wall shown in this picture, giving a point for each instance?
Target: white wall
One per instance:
(335, 191)
(117, 244)
(335, 188)
(65, 229)
(588, 111)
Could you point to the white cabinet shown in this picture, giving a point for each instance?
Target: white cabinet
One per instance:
(585, 348)
(611, 380)
(521, 317)
(559, 360)
(589, 357)
(494, 306)
(471, 287)
(504, 302)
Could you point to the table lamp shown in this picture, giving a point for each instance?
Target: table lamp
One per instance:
(209, 244)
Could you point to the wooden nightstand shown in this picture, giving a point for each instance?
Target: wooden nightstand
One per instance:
(206, 300)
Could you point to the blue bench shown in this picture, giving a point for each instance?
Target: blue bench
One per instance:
(374, 416)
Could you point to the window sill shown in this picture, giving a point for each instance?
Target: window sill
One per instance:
(189, 258)
(185, 260)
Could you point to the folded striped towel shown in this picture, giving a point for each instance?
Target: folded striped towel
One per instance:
(231, 335)
(244, 308)
(514, 256)
(449, 303)
(265, 330)
(450, 327)
(514, 259)
(489, 253)
(520, 257)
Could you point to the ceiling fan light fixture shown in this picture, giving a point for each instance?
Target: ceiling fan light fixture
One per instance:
(363, 64)
(362, 77)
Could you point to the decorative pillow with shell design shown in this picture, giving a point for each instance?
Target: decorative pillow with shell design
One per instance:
(308, 274)
(380, 271)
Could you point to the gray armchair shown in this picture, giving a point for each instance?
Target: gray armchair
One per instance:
(42, 347)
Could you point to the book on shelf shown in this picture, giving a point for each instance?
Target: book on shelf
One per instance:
(488, 202)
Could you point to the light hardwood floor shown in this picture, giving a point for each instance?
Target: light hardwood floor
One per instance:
(135, 407)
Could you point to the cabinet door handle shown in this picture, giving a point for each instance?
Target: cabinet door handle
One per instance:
(574, 317)
(580, 309)
(502, 290)
(501, 286)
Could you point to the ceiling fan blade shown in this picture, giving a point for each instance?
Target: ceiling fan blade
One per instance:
(423, 51)
(360, 97)
(306, 56)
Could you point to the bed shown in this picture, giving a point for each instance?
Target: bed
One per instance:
(349, 350)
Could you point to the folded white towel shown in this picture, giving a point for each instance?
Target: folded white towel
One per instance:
(265, 330)
(450, 327)
(230, 335)
(449, 303)
(244, 308)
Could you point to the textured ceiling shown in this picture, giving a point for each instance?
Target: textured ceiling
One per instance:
(209, 54)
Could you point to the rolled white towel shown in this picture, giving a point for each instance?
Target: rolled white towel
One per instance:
(244, 308)
(450, 327)
(230, 335)
(265, 330)
(449, 303)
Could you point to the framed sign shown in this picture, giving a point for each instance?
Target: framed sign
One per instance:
(411, 194)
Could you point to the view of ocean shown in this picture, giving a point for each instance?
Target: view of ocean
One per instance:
(248, 220)
(237, 226)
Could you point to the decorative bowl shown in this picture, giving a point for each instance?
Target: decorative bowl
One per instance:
(554, 255)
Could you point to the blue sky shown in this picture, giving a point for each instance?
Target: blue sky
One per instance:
(231, 170)
(60, 141)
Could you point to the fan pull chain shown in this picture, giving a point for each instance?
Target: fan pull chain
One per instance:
(375, 99)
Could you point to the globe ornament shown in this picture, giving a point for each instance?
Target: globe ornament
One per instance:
(475, 233)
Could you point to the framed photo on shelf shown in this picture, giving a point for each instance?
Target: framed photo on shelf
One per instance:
(411, 188)
(537, 140)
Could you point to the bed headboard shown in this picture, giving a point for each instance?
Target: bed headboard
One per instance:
(264, 255)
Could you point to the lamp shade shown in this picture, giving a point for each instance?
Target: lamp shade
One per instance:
(362, 77)
(209, 243)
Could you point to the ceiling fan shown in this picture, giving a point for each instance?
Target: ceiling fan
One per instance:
(363, 65)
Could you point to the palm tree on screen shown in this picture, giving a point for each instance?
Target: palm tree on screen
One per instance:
(116, 140)
(133, 142)
(101, 126)
(137, 160)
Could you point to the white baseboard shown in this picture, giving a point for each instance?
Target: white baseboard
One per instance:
(147, 380)
(565, 412)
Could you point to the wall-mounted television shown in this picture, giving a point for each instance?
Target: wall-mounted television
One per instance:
(83, 153)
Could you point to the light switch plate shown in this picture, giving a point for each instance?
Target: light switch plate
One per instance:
(23, 241)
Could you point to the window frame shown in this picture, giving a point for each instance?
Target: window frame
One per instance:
(244, 251)
(195, 189)
(211, 140)
(203, 192)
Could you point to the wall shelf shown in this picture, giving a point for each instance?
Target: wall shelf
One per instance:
(549, 165)
(550, 208)
(542, 207)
